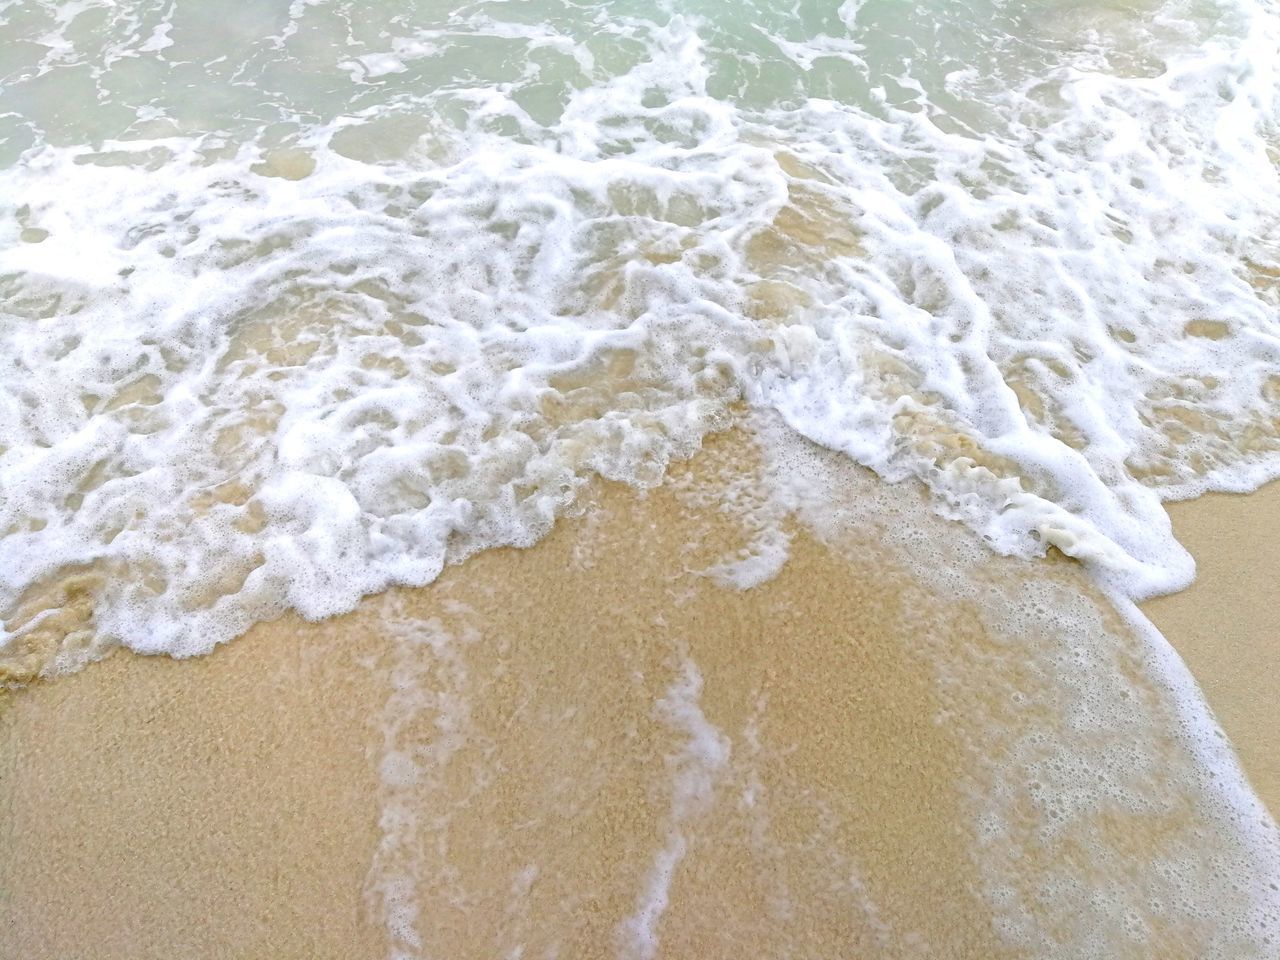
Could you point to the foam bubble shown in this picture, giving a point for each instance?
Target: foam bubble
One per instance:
(1135, 754)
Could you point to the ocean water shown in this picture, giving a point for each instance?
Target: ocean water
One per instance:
(307, 300)
(300, 301)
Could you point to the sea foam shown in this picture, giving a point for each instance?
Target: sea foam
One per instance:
(387, 293)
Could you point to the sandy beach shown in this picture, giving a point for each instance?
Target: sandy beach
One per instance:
(640, 481)
(590, 746)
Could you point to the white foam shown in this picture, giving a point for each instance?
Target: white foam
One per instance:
(371, 351)
(693, 771)
(427, 678)
(1135, 738)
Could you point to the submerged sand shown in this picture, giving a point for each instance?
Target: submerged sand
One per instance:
(593, 748)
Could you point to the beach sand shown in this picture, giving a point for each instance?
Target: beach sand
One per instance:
(586, 747)
(1226, 626)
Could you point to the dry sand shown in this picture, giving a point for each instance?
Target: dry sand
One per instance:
(509, 758)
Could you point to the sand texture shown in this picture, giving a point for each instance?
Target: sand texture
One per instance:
(594, 748)
(1227, 625)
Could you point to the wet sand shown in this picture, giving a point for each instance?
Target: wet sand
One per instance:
(588, 748)
(1226, 626)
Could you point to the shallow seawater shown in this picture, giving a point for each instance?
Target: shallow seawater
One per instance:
(300, 302)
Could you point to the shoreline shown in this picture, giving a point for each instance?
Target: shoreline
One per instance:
(592, 745)
(1223, 626)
